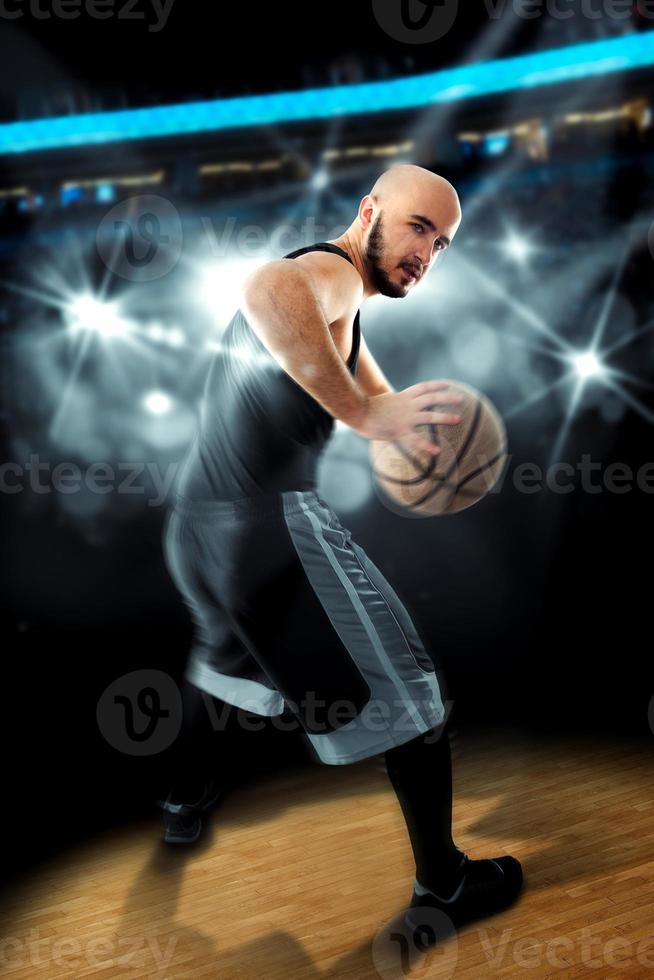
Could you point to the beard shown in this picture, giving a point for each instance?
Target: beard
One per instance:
(373, 254)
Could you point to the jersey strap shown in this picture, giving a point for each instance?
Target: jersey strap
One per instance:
(337, 250)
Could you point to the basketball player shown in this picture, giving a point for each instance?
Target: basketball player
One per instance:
(290, 613)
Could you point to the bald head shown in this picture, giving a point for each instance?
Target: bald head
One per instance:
(410, 183)
(406, 220)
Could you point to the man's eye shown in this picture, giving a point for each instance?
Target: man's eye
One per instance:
(418, 226)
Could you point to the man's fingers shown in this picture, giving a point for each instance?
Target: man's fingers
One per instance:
(436, 418)
(425, 386)
(426, 445)
(414, 440)
(447, 398)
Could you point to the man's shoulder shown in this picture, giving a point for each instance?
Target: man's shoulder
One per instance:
(335, 263)
(335, 278)
(334, 281)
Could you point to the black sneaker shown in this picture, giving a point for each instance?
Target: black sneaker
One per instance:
(183, 821)
(484, 888)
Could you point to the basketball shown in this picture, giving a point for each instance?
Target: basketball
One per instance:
(471, 460)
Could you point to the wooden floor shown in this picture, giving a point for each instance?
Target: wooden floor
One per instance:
(306, 875)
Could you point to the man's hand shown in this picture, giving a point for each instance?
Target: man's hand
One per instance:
(395, 415)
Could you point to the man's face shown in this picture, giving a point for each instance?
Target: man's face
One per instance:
(401, 252)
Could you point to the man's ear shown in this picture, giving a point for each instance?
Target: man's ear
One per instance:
(366, 209)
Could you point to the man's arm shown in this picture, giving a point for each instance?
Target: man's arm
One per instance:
(290, 309)
(369, 374)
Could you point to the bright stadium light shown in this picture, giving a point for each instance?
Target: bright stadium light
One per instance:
(517, 248)
(155, 331)
(88, 313)
(587, 364)
(220, 286)
(157, 402)
(320, 180)
(175, 337)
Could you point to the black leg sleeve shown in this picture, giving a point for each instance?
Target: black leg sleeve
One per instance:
(192, 753)
(420, 772)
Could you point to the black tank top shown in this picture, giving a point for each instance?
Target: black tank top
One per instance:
(259, 430)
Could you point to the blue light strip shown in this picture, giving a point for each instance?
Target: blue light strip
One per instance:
(566, 64)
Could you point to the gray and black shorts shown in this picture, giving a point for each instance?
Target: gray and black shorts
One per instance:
(290, 614)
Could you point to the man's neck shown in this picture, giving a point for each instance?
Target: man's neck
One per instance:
(349, 242)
